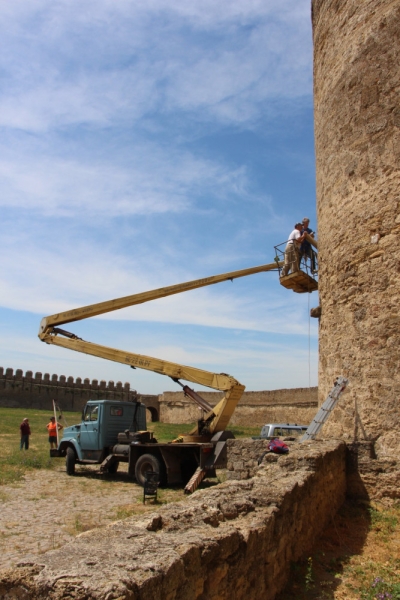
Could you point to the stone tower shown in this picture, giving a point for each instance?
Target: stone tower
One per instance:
(357, 135)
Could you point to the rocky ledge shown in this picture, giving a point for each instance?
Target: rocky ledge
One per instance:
(233, 541)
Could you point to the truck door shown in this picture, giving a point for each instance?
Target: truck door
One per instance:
(90, 428)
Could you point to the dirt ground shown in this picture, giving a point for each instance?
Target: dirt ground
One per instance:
(46, 508)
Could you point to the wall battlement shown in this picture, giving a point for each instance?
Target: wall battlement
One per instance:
(19, 390)
(38, 390)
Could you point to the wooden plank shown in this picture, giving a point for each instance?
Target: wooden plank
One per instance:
(299, 282)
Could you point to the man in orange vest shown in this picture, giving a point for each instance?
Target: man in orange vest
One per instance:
(52, 429)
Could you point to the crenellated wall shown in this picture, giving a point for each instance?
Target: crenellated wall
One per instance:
(37, 390)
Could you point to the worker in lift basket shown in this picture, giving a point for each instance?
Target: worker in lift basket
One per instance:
(306, 250)
(292, 250)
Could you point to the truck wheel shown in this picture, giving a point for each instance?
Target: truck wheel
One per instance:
(70, 461)
(147, 462)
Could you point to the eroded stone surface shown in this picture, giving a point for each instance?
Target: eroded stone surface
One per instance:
(369, 477)
(357, 135)
(233, 541)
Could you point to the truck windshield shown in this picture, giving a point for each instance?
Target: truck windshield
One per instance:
(289, 431)
(92, 413)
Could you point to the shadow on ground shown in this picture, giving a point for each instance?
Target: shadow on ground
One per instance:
(84, 472)
(318, 575)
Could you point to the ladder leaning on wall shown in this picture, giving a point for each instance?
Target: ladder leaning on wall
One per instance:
(325, 410)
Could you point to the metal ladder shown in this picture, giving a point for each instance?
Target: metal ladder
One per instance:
(325, 410)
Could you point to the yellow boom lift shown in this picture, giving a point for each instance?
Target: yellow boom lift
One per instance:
(215, 419)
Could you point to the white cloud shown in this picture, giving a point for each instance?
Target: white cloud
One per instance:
(48, 270)
(103, 62)
(155, 180)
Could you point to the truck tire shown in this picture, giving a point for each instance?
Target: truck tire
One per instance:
(70, 461)
(148, 462)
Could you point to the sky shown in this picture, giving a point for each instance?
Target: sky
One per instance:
(148, 143)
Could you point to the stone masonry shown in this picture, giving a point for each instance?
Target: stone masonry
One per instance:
(367, 476)
(243, 457)
(357, 135)
(232, 542)
(37, 391)
(19, 390)
(297, 405)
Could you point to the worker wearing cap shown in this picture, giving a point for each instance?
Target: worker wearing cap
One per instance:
(52, 428)
(292, 250)
(305, 248)
(25, 431)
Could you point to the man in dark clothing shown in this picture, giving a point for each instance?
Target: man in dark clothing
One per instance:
(25, 433)
(305, 248)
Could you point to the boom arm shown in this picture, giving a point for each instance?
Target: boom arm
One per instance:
(92, 310)
(311, 240)
(217, 418)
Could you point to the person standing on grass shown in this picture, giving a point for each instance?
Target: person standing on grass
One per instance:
(52, 429)
(25, 433)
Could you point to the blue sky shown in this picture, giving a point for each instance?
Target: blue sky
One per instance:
(145, 144)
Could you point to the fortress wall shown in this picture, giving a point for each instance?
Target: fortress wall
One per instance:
(367, 477)
(357, 135)
(19, 390)
(236, 540)
(38, 391)
(251, 416)
(296, 405)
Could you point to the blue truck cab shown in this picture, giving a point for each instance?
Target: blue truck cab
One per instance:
(94, 439)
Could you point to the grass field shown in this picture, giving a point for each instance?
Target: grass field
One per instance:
(14, 462)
